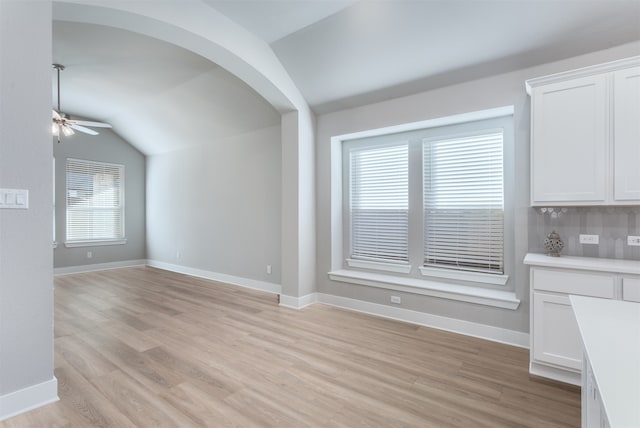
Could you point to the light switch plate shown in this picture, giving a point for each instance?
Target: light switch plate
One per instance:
(633, 241)
(590, 239)
(14, 199)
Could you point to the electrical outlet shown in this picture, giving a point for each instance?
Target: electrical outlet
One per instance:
(633, 241)
(590, 239)
(269, 269)
(89, 254)
(178, 255)
(396, 299)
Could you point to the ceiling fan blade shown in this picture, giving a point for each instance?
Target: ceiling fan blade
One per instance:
(82, 129)
(89, 123)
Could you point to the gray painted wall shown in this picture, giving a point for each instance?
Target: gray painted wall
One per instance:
(495, 91)
(105, 147)
(216, 207)
(26, 280)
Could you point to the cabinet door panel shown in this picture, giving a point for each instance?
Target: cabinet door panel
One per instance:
(626, 150)
(571, 282)
(570, 133)
(556, 338)
(631, 289)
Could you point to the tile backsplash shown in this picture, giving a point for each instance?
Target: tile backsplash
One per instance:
(612, 224)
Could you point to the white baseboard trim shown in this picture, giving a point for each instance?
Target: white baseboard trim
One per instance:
(482, 331)
(221, 277)
(550, 372)
(98, 266)
(29, 398)
(298, 302)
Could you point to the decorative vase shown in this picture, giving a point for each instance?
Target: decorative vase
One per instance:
(553, 244)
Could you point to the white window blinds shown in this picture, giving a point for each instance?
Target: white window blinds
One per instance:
(463, 202)
(379, 201)
(95, 201)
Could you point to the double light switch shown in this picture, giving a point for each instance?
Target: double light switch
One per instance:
(14, 199)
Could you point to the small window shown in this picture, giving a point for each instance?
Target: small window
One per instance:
(95, 201)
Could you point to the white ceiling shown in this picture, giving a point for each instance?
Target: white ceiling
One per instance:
(339, 53)
(413, 45)
(157, 96)
(272, 20)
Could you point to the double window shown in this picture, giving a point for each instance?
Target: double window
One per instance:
(429, 197)
(95, 202)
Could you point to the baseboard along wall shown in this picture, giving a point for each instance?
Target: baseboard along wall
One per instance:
(29, 398)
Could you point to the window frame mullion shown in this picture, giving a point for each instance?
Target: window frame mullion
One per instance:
(416, 212)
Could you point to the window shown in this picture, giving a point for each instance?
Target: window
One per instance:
(95, 203)
(430, 197)
(463, 202)
(379, 208)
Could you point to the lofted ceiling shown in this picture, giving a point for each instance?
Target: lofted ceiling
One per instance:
(339, 53)
(158, 96)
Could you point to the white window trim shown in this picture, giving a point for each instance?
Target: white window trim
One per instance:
(99, 242)
(484, 296)
(464, 293)
(479, 277)
(386, 267)
(94, 243)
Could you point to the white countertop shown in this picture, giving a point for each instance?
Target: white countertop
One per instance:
(610, 331)
(584, 263)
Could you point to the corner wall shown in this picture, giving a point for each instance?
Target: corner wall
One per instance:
(214, 209)
(26, 266)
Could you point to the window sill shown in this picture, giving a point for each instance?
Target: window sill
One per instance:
(97, 243)
(386, 267)
(463, 293)
(484, 278)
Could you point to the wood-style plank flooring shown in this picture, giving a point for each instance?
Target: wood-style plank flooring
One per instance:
(141, 347)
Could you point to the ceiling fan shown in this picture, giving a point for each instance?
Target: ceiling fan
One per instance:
(62, 122)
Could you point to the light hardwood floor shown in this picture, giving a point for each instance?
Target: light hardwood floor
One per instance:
(144, 347)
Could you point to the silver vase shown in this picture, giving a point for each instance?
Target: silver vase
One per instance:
(553, 244)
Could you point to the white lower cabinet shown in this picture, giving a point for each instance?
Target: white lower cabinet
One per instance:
(556, 339)
(555, 345)
(631, 289)
(610, 338)
(593, 414)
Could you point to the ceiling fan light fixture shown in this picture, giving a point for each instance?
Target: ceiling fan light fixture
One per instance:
(67, 131)
(62, 122)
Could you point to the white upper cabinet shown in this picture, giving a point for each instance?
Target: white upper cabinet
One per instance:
(585, 136)
(626, 134)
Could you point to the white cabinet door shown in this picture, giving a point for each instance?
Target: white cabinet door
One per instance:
(556, 338)
(569, 142)
(626, 129)
(631, 289)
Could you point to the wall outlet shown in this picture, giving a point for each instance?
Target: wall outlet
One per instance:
(396, 299)
(89, 254)
(178, 255)
(633, 241)
(269, 269)
(590, 239)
